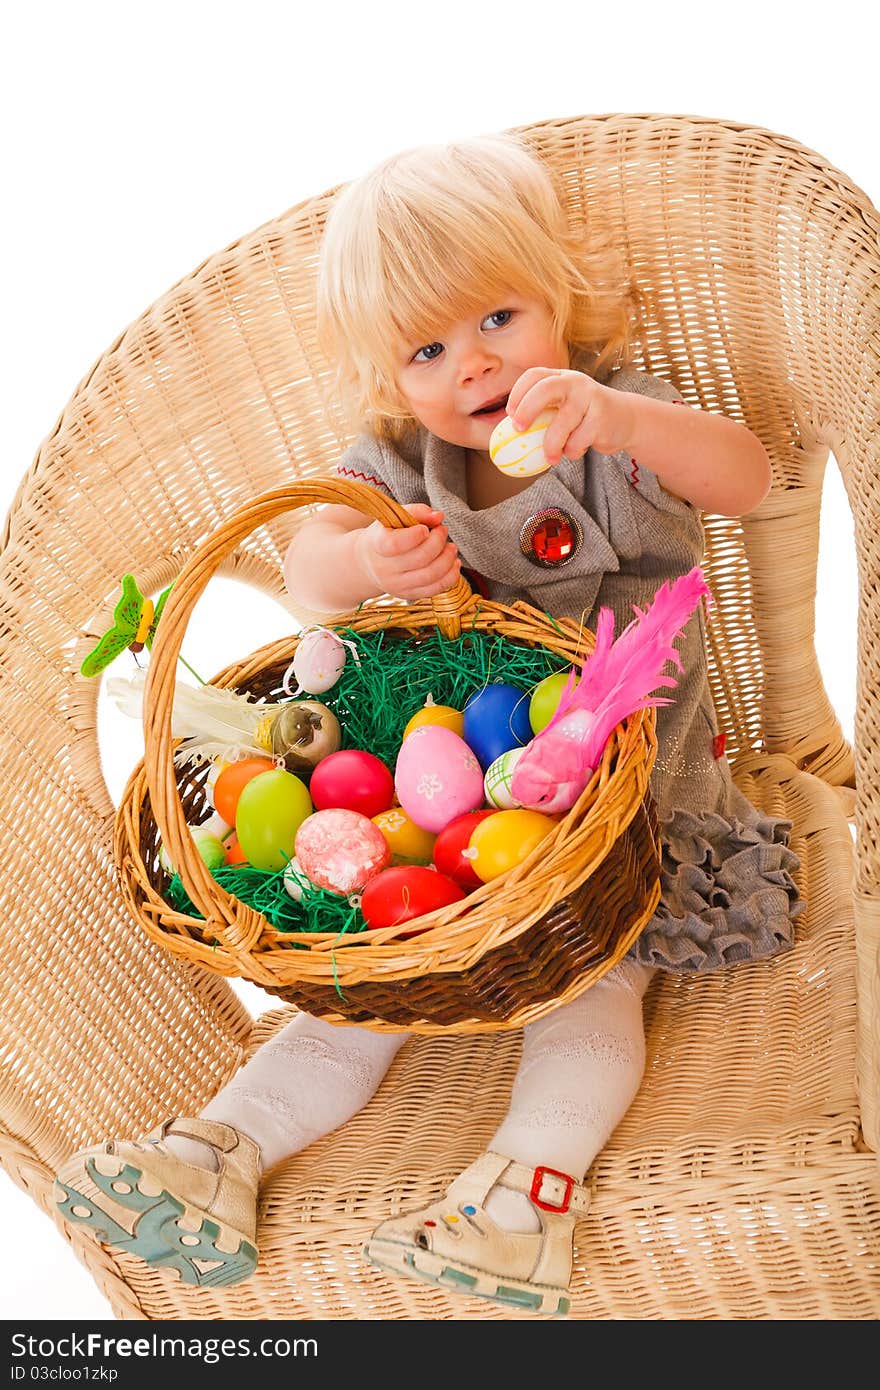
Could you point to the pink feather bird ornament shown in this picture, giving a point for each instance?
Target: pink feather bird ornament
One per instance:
(616, 680)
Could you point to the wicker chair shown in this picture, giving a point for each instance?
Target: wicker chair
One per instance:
(743, 1183)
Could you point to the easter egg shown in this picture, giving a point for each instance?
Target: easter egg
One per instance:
(319, 660)
(271, 808)
(402, 893)
(231, 781)
(449, 845)
(340, 850)
(437, 777)
(496, 718)
(295, 881)
(520, 453)
(503, 840)
(496, 783)
(302, 733)
(215, 825)
(352, 780)
(233, 852)
(444, 715)
(212, 850)
(545, 699)
(217, 766)
(209, 845)
(406, 840)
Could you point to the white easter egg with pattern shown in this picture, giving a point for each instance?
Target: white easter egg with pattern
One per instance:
(319, 660)
(295, 881)
(496, 783)
(437, 777)
(520, 454)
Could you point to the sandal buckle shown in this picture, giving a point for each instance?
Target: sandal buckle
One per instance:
(537, 1182)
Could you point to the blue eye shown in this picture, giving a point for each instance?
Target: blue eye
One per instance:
(429, 351)
(504, 315)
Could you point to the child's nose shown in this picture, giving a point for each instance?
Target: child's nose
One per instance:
(475, 362)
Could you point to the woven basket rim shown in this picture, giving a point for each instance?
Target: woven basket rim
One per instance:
(631, 739)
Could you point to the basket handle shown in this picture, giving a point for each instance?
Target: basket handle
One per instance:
(244, 928)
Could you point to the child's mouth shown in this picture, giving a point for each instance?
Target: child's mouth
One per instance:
(493, 409)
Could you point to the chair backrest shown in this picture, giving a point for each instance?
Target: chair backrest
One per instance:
(750, 255)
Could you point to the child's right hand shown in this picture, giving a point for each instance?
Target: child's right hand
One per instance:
(413, 561)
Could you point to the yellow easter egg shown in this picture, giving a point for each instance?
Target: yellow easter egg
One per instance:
(502, 841)
(520, 454)
(444, 715)
(407, 841)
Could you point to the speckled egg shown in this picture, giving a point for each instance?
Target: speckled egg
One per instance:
(340, 850)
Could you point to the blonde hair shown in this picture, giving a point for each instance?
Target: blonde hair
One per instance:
(430, 236)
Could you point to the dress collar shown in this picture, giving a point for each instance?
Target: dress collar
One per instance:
(488, 539)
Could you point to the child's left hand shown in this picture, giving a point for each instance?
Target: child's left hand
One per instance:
(588, 415)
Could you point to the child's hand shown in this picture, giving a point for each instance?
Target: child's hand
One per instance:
(588, 415)
(413, 561)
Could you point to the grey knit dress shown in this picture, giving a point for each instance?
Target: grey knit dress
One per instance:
(727, 890)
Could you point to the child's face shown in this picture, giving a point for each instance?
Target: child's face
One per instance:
(476, 363)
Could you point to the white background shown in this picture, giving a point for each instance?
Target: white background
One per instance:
(140, 139)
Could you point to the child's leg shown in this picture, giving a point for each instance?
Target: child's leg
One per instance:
(185, 1197)
(580, 1070)
(581, 1067)
(301, 1084)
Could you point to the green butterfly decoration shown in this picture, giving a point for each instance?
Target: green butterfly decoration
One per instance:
(135, 620)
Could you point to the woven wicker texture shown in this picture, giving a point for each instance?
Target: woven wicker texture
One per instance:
(511, 952)
(743, 1182)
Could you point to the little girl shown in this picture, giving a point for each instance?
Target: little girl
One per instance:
(451, 292)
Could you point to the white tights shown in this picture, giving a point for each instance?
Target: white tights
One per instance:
(580, 1069)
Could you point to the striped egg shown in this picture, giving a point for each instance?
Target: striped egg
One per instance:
(496, 783)
(520, 454)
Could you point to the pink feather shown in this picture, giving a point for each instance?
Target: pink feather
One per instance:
(618, 676)
(616, 679)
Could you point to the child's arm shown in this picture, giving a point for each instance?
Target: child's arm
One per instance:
(339, 558)
(711, 461)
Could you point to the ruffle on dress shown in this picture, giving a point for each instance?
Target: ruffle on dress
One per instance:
(727, 893)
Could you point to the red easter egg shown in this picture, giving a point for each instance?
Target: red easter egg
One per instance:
(340, 850)
(353, 780)
(448, 846)
(399, 894)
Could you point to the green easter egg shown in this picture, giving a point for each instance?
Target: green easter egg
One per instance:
(271, 808)
(545, 699)
(211, 850)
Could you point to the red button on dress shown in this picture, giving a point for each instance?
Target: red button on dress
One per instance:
(551, 538)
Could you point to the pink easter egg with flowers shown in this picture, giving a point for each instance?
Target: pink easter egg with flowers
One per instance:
(437, 777)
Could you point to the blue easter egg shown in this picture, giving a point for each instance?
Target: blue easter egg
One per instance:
(496, 719)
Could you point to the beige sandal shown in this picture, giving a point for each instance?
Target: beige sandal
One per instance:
(456, 1245)
(140, 1197)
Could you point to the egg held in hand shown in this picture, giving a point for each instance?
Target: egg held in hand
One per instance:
(520, 453)
(437, 777)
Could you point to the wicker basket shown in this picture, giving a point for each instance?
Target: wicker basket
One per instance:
(509, 952)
